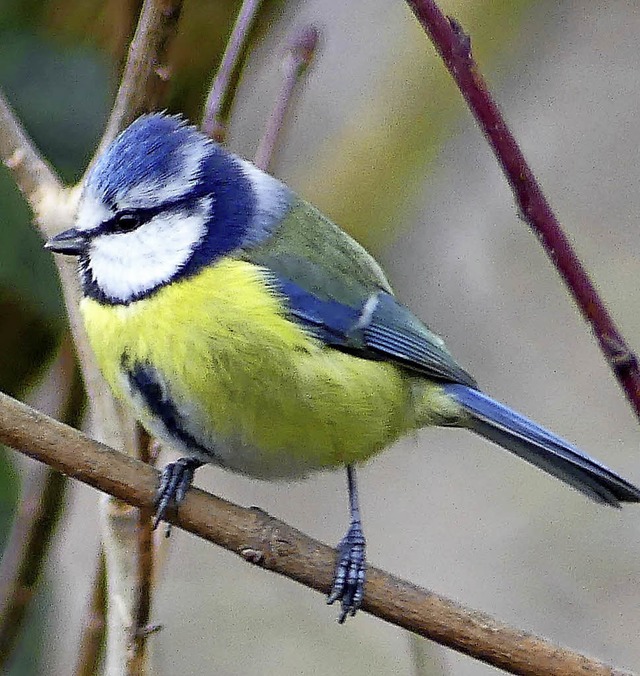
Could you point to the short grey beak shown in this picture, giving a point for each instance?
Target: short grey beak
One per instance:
(70, 242)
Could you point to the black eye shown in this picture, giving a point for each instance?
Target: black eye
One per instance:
(126, 222)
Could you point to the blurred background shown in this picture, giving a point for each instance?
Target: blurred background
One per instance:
(381, 141)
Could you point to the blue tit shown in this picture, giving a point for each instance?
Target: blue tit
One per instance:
(245, 329)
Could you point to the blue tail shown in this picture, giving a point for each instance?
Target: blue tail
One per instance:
(540, 447)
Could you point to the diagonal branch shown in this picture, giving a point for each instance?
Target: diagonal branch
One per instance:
(274, 545)
(41, 504)
(455, 49)
(298, 56)
(18, 153)
(24, 560)
(146, 73)
(223, 87)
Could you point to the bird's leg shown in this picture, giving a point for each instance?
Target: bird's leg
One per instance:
(348, 579)
(175, 481)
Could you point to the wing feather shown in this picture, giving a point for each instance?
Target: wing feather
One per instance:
(336, 290)
(386, 330)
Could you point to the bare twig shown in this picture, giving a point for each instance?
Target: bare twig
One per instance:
(144, 595)
(40, 506)
(146, 74)
(298, 56)
(142, 88)
(287, 551)
(93, 629)
(143, 85)
(121, 33)
(222, 91)
(25, 557)
(119, 531)
(30, 170)
(455, 49)
(54, 207)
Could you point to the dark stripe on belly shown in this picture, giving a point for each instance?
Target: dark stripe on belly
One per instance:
(145, 381)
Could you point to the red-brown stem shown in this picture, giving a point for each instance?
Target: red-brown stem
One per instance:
(454, 46)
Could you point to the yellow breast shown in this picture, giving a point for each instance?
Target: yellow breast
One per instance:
(271, 398)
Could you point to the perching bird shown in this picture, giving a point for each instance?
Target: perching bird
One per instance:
(247, 330)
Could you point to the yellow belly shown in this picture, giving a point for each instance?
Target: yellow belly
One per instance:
(267, 397)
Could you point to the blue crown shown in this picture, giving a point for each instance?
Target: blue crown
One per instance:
(153, 150)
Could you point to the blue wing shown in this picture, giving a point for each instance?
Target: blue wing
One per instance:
(336, 290)
(377, 328)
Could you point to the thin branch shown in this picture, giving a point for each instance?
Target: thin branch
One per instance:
(146, 74)
(94, 627)
(274, 545)
(455, 49)
(145, 561)
(54, 208)
(123, 30)
(144, 83)
(40, 506)
(30, 170)
(223, 87)
(23, 562)
(142, 89)
(298, 57)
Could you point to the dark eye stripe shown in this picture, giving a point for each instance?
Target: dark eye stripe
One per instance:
(136, 217)
(129, 220)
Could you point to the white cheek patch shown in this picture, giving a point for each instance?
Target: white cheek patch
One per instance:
(126, 265)
(151, 193)
(91, 212)
(272, 201)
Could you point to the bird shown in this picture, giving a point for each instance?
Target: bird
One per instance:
(245, 329)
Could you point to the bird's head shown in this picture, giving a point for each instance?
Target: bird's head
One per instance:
(162, 202)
